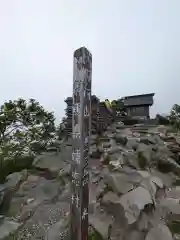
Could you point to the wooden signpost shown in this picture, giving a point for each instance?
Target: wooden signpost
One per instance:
(81, 130)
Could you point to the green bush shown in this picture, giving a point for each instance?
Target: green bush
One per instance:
(16, 165)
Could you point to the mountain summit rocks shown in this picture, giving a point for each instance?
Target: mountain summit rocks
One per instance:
(134, 189)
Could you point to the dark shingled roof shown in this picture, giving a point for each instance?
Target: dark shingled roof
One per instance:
(139, 100)
(140, 95)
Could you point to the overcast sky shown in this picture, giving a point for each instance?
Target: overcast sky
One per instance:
(135, 45)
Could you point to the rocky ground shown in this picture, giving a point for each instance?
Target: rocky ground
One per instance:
(134, 189)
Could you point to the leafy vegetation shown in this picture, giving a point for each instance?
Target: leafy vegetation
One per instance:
(26, 129)
(174, 116)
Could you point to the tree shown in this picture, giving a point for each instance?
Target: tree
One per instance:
(174, 116)
(61, 129)
(25, 128)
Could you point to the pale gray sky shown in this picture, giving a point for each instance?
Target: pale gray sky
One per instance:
(135, 46)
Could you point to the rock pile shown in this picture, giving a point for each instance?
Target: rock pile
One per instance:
(134, 189)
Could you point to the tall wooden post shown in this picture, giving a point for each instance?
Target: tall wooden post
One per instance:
(81, 130)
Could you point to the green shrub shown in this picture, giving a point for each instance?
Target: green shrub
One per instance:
(16, 165)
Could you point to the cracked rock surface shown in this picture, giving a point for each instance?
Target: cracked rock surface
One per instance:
(134, 189)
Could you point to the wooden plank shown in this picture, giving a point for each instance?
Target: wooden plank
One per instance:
(81, 130)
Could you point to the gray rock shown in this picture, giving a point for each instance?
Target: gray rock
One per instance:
(100, 190)
(131, 159)
(152, 184)
(101, 224)
(106, 145)
(8, 227)
(158, 140)
(111, 130)
(135, 201)
(143, 223)
(46, 216)
(157, 181)
(115, 149)
(172, 206)
(160, 232)
(144, 174)
(69, 141)
(59, 230)
(117, 159)
(120, 188)
(167, 179)
(174, 192)
(148, 140)
(65, 171)
(145, 151)
(104, 159)
(114, 207)
(134, 235)
(31, 194)
(121, 139)
(93, 139)
(164, 151)
(119, 183)
(119, 125)
(132, 142)
(49, 161)
(14, 179)
(176, 236)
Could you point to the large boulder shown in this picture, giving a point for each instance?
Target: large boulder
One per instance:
(132, 143)
(135, 201)
(144, 153)
(101, 223)
(7, 228)
(15, 179)
(160, 232)
(51, 161)
(122, 183)
(114, 207)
